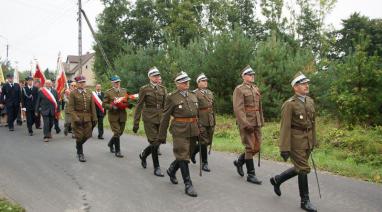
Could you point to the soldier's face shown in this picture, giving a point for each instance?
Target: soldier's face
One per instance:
(116, 84)
(156, 79)
(183, 86)
(302, 88)
(249, 78)
(203, 84)
(81, 84)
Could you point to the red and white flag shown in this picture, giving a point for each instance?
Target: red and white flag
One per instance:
(97, 101)
(61, 78)
(39, 75)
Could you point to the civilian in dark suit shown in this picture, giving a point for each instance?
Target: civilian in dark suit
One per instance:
(37, 117)
(11, 98)
(29, 99)
(47, 109)
(100, 114)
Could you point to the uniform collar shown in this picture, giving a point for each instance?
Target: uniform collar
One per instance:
(153, 85)
(184, 93)
(81, 90)
(301, 98)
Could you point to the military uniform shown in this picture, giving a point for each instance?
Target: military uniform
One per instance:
(249, 118)
(206, 120)
(150, 106)
(83, 115)
(183, 107)
(297, 140)
(116, 116)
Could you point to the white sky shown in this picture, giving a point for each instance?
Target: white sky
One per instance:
(41, 28)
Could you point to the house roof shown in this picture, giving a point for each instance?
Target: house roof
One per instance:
(74, 59)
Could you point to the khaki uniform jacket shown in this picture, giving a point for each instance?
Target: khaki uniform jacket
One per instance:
(295, 117)
(247, 106)
(81, 106)
(114, 114)
(179, 106)
(206, 110)
(150, 104)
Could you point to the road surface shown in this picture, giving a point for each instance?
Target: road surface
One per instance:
(47, 177)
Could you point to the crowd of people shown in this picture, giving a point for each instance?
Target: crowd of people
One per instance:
(188, 115)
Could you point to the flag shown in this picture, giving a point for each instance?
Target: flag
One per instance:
(2, 80)
(39, 75)
(16, 75)
(61, 78)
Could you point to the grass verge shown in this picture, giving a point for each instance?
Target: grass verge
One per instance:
(6, 206)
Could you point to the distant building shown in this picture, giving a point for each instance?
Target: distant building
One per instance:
(72, 67)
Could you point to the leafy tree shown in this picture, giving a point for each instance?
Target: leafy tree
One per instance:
(357, 85)
(276, 62)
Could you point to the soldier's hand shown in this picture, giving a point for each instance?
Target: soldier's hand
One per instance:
(285, 155)
(161, 140)
(135, 128)
(249, 129)
(1, 106)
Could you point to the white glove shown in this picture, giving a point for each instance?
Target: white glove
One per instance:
(24, 109)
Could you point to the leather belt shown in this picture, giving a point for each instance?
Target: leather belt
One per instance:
(305, 129)
(205, 109)
(250, 109)
(185, 120)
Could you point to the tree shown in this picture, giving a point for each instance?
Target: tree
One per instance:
(111, 33)
(355, 28)
(276, 62)
(357, 85)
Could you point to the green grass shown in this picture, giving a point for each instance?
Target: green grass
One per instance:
(6, 206)
(355, 152)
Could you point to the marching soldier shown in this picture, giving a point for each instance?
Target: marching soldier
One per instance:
(249, 118)
(182, 105)
(10, 99)
(83, 115)
(150, 104)
(116, 113)
(297, 138)
(65, 98)
(29, 98)
(47, 105)
(206, 119)
(100, 113)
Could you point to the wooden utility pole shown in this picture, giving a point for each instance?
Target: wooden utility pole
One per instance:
(79, 36)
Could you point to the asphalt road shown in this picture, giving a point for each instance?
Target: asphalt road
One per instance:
(46, 177)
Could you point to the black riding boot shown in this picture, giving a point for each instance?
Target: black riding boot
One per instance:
(196, 150)
(251, 172)
(205, 158)
(189, 189)
(146, 152)
(171, 171)
(111, 144)
(239, 164)
(157, 171)
(277, 180)
(80, 152)
(66, 129)
(117, 148)
(304, 193)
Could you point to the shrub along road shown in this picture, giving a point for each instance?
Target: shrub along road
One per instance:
(47, 177)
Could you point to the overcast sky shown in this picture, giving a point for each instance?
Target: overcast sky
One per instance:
(42, 28)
